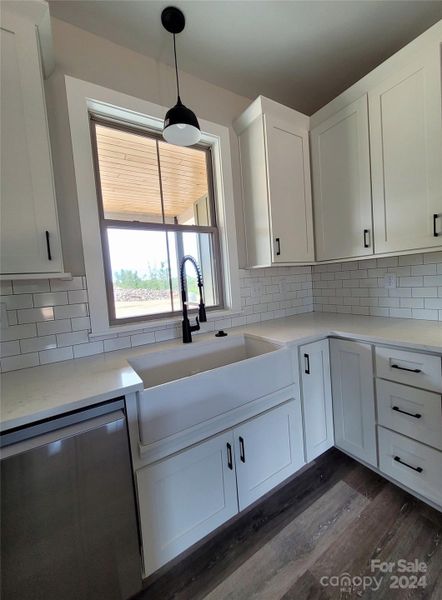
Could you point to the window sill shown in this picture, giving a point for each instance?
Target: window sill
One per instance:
(170, 322)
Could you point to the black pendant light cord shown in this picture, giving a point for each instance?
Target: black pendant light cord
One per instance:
(176, 67)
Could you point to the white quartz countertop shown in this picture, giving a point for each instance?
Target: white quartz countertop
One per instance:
(408, 333)
(30, 395)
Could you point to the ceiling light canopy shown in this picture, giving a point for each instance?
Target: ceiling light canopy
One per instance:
(181, 126)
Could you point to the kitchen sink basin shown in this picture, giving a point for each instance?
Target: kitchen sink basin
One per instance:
(194, 383)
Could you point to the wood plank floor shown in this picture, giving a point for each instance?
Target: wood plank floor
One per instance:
(334, 518)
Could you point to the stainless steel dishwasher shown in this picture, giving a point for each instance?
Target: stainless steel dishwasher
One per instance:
(68, 518)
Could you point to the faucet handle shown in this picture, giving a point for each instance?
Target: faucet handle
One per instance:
(197, 326)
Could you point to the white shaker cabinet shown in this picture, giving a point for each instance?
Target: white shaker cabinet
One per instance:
(353, 399)
(275, 169)
(316, 398)
(406, 156)
(184, 497)
(30, 239)
(268, 449)
(341, 184)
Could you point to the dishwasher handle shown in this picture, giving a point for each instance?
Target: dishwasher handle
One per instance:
(58, 435)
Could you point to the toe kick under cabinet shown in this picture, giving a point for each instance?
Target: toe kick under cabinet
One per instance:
(189, 494)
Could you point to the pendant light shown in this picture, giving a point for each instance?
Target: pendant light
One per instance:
(181, 126)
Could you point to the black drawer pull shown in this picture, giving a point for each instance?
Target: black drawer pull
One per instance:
(405, 369)
(242, 454)
(435, 218)
(48, 245)
(366, 243)
(404, 412)
(229, 457)
(307, 364)
(278, 245)
(417, 469)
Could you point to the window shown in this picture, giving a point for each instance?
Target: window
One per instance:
(156, 205)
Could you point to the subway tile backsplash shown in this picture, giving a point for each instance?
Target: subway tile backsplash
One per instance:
(49, 319)
(358, 287)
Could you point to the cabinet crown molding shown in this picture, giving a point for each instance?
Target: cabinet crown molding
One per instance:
(263, 105)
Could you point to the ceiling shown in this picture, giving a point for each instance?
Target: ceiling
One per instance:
(300, 53)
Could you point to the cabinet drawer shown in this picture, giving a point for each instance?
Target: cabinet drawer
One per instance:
(411, 463)
(411, 368)
(413, 412)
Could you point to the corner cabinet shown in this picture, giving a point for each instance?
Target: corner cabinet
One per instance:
(316, 398)
(275, 168)
(353, 399)
(189, 494)
(30, 239)
(341, 184)
(406, 156)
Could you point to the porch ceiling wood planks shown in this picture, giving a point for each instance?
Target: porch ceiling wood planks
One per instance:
(129, 173)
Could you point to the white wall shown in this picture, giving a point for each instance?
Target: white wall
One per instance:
(95, 59)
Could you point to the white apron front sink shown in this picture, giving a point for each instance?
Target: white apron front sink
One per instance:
(192, 384)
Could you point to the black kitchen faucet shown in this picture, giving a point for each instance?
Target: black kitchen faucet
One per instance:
(187, 327)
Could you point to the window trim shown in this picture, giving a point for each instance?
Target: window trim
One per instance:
(84, 98)
(106, 224)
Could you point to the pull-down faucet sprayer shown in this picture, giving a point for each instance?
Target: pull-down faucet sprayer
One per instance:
(187, 327)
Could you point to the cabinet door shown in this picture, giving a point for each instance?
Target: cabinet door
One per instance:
(185, 497)
(316, 398)
(288, 181)
(353, 399)
(255, 195)
(27, 208)
(268, 449)
(341, 184)
(406, 157)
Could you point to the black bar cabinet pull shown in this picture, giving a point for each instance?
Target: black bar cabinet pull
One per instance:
(242, 454)
(404, 412)
(307, 364)
(229, 457)
(366, 243)
(278, 246)
(435, 218)
(417, 469)
(405, 369)
(48, 245)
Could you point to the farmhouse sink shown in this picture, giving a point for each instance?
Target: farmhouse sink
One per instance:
(194, 383)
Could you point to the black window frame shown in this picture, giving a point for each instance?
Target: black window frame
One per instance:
(106, 224)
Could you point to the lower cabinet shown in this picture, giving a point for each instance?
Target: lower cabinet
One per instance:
(353, 399)
(413, 464)
(316, 398)
(187, 495)
(268, 449)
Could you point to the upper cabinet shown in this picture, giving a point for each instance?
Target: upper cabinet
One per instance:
(275, 167)
(406, 156)
(30, 239)
(377, 149)
(341, 183)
